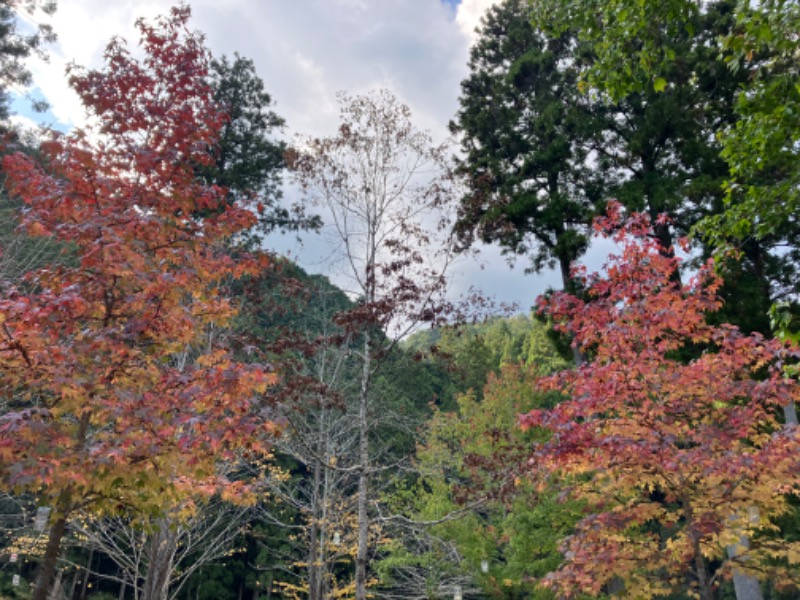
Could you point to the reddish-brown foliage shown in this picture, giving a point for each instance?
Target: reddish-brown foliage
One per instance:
(675, 457)
(118, 393)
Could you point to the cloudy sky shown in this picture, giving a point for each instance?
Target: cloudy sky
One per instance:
(306, 51)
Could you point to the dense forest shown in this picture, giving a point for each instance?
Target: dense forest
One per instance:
(187, 415)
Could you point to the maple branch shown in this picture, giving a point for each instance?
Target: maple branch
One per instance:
(17, 345)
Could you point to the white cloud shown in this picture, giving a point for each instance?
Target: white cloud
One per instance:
(469, 15)
(84, 28)
(24, 125)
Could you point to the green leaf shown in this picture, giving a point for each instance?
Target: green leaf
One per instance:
(660, 84)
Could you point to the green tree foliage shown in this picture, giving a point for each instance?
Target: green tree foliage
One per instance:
(16, 45)
(660, 140)
(526, 134)
(467, 491)
(465, 355)
(761, 147)
(247, 159)
(544, 145)
(651, 142)
(480, 509)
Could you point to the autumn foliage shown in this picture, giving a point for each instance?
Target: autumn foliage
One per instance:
(671, 433)
(119, 392)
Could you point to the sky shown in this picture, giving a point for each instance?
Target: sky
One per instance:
(306, 51)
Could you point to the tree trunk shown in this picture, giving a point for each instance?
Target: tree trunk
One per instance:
(74, 585)
(47, 569)
(314, 553)
(269, 586)
(57, 593)
(790, 413)
(704, 588)
(746, 586)
(63, 510)
(363, 475)
(86, 575)
(565, 264)
(163, 544)
(325, 531)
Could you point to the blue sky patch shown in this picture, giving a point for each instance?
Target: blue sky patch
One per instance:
(22, 106)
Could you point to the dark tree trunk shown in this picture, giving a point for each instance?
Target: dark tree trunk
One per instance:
(565, 264)
(86, 575)
(47, 569)
(63, 510)
(704, 588)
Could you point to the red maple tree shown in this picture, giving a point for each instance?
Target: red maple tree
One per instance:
(670, 434)
(118, 394)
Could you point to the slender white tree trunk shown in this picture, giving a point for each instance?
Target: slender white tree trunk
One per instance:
(363, 476)
(790, 413)
(746, 586)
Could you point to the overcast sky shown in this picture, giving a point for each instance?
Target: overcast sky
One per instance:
(306, 51)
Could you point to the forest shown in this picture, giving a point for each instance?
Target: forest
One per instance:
(185, 414)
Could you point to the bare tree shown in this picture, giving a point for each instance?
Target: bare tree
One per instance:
(385, 186)
(157, 556)
(292, 317)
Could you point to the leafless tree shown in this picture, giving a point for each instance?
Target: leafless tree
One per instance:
(157, 556)
(386, 188)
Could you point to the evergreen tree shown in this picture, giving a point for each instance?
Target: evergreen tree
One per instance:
(248, 160)
(16, 46)
(526, 134)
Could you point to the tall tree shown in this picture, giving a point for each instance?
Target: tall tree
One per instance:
(684, 466)
(543, 145)
(292, 315)
(761, 149)
(107, 411)
(383, 183)
(660, 140)
(526, 134)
